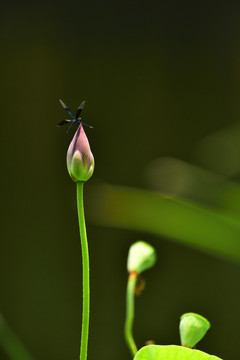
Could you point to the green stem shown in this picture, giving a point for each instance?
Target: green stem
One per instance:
(85, 272)
(130, 313)
(11, 343)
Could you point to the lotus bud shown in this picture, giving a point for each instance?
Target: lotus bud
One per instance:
(80, 160)
(141, 256)
(192, 329)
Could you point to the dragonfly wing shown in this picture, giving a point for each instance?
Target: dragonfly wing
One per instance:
(70, 126)
(87, 125)
(64, 122)
(67, 109)
(80, 108)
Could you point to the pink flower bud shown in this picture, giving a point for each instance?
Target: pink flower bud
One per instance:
(80, 160)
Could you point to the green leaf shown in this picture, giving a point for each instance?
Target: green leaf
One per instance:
(209, 230)
(172, 352)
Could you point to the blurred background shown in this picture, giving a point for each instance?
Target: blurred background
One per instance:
(161, 82)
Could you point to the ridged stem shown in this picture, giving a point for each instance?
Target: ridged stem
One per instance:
(85, 272)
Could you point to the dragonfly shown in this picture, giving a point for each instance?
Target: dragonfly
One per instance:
(75, 119)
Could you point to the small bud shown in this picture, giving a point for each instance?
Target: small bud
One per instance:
(80, 160)
(192, 329)
(141, 256)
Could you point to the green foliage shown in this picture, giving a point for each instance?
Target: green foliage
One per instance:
(11, 344)
(172, 352)
(207, 229)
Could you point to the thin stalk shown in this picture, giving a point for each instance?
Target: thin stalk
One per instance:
(85, 273)
(13, 347)
(130, 313)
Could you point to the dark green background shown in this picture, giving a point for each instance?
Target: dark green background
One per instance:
(157, 77)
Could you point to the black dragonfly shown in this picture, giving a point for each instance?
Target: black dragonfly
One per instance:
(75, 119)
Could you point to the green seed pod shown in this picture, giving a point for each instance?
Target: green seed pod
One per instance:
(192, 329)
(80, 160)
(141, 256)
